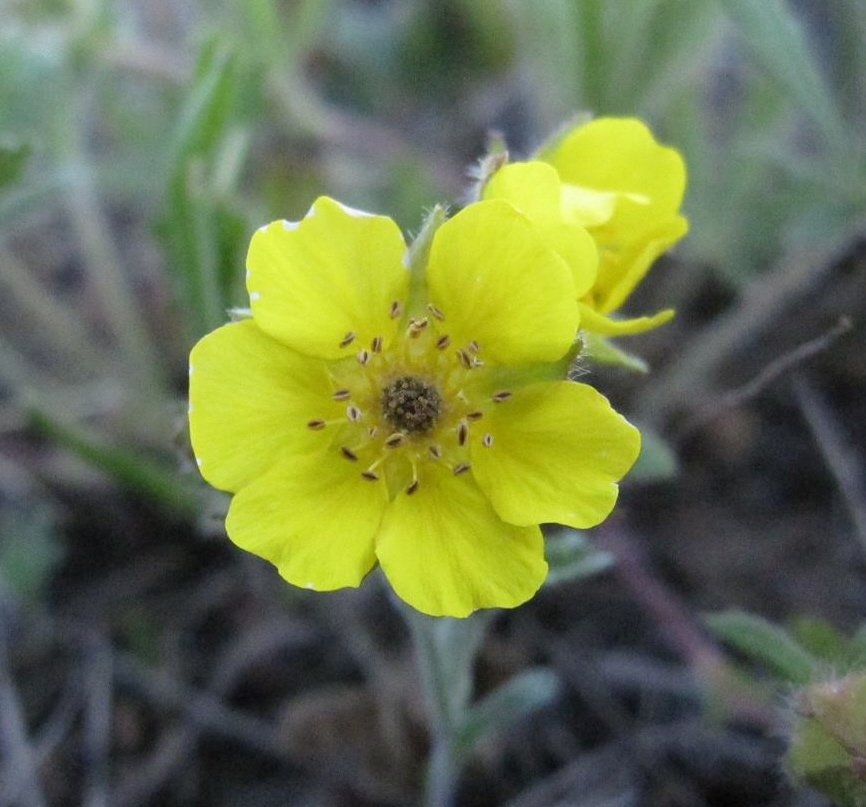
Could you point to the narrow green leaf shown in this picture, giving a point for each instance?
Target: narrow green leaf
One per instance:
(571, 556)
(127, 469)
(765, 643)
(774, 35)
(520, 696)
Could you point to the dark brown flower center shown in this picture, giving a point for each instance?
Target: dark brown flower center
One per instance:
(411, 405)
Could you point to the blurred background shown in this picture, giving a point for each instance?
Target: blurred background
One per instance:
(145, 660)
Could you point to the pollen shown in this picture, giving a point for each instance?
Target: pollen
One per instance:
(411, 404)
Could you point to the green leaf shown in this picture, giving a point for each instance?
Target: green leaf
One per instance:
(571, 556)
(814, 756)
(765, 643)
(29, 550)
(127, 469)
(518, 697)
(656, 461)
(776, 38)
(821, 639)
(12, 160)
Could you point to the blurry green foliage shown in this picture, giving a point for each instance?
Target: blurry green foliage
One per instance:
(29, 550)
(827, 731)
(571, 556)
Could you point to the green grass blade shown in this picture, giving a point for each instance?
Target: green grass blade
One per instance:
(765, 643)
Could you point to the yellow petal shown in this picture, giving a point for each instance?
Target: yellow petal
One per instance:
(333, 274)
(621, 155)
(250, 400)
(498, 283)
(586, 206)
(591, 320)
(446, 553)
(313, 517)
(621, 272)
(534, 189)
(556, 452)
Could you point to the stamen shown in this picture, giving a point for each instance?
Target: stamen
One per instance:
(371, 475)
(373, 431)
(435, 312)
(465, 358)
(487, 440)
(342, 395)
(443, 341)
(395, 440)
(376, 345)
(476, 415)
(462, 433)
(416, 326)
(353, 413)
(502, 395)
(461, 468)
(473, 346)
(435, 452)
(363, 356)
(348, 339)
(316, 424)
(413, 485)
(348, 453)
(396, 309)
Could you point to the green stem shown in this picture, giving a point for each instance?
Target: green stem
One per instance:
(445, 650)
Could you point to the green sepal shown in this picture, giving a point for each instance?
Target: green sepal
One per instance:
(601, 350)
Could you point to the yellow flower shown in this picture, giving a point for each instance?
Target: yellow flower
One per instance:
(368, 413)
(612, 177)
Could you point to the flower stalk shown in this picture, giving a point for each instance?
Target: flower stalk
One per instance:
(445, 651)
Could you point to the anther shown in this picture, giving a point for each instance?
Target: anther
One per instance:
(372, 431)
(435, 312)
(342, 395)
(376, 344)
(396, 309)
(487, 440)
(348, 339)
(502, 395)
(363, 356)
(413, 486)
(465, 358)
(348, 453)
(353, 413)
(416, 326)
(395, 440)
(476, 415)
(435, 452)
(316, 424)
(472, 346)
(461, 468)
(443, 341)
(370, 475)
(462, 433)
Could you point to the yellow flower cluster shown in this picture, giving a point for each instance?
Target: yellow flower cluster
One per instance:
(410, 407)
(612, 178)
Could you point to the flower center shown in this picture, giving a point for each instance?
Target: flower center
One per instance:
(411, 405)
